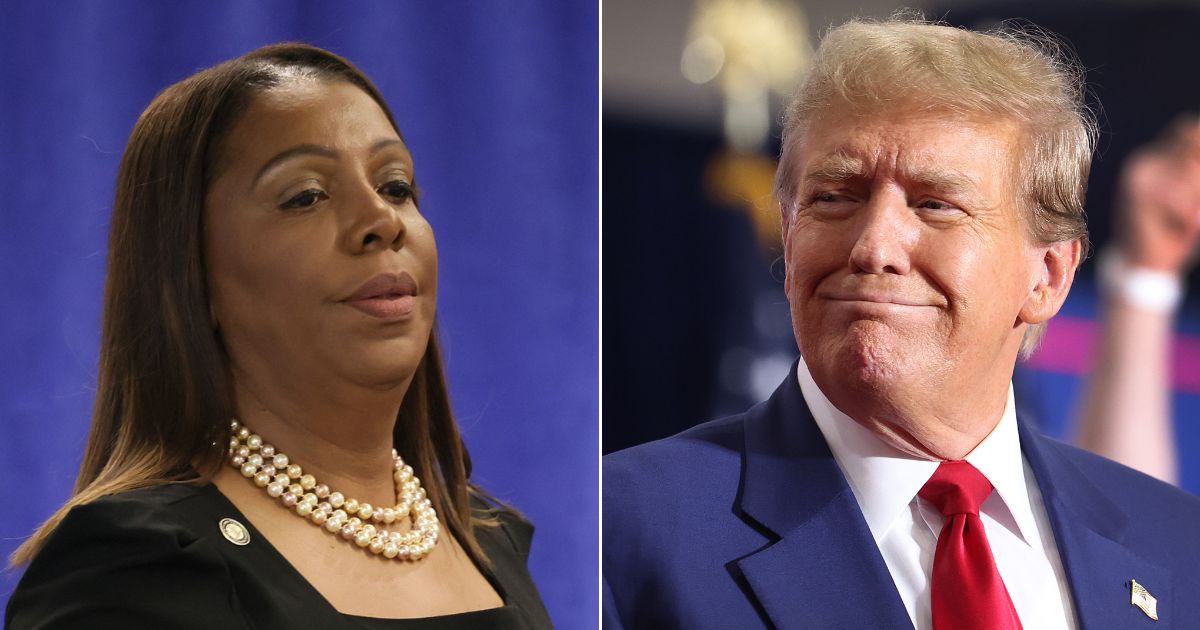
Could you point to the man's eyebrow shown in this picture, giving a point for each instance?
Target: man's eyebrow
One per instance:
(835, 167)
(947, 181)
(318, 150)
(840, 167)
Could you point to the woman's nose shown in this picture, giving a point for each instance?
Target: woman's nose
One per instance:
(378, 224)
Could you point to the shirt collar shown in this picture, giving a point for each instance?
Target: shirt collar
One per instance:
(885, 480)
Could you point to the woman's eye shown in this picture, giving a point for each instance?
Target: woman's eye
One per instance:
(305, 199)
(399, 190)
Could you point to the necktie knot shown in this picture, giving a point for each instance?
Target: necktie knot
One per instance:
(967, 590)
(956, 488)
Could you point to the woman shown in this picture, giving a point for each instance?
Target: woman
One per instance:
(272, 444)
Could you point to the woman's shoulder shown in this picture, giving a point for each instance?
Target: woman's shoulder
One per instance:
(506, 537)
(502, 523)
(141, 520)
(160, 499)
(135, 557)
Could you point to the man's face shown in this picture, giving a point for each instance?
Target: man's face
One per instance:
(907, 260)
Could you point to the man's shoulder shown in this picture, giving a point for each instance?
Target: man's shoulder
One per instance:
(701, 445)
(675, 478)
(1150, 519)
(1124, 484)
(668, 505)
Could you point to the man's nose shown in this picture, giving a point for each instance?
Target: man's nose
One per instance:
(885, 233)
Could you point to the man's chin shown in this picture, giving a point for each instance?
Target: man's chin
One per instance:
(868, 360)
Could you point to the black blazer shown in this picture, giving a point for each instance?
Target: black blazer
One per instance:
(156, 558)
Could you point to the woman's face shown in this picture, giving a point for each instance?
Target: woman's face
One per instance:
(321, 270)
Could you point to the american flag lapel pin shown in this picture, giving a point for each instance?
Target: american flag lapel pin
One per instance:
(1140, 597)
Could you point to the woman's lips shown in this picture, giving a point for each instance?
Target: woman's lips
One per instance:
(390, 307)
(385, 285)
(386, 296)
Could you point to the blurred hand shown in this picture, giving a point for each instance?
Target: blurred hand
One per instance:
(1159, 195)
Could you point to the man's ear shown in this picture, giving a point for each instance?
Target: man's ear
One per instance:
(785, 222)
(1055, 272)
(785, 231)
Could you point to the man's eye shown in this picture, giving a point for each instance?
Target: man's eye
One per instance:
(830, 204)
(305, 199)
(399, 190)
(934, 204)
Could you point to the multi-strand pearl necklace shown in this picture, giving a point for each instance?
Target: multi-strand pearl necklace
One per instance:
(354, 520)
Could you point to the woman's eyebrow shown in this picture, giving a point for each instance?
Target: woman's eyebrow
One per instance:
(385, 143)
(316, 149)
(287, 154)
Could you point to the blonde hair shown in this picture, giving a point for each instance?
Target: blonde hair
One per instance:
(908, 63)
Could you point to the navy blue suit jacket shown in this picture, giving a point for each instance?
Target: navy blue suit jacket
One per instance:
(748, 522)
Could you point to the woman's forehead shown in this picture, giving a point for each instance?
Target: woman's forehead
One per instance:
(335, 114)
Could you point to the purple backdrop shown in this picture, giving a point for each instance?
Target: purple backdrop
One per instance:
(499, 104)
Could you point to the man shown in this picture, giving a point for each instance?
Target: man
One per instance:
(931, 187)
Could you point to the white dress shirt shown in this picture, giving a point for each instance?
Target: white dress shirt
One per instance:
(885, 482)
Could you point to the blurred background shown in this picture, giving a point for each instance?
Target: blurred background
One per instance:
(498, 103)
(696, 324)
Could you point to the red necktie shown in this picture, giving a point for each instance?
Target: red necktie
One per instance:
(967, 589)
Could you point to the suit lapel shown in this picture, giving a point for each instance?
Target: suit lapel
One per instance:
(1089, 531)
(824, 569)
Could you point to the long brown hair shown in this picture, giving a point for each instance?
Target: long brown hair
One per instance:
(164, 393)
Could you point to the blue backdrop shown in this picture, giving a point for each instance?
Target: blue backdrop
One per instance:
(498, 102)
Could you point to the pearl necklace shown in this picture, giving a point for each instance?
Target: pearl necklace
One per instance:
(354, 520)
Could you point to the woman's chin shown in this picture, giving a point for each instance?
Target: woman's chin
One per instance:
(381, 371)
(383, 379)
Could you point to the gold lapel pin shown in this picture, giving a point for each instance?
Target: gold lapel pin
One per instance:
(237, 533)
(1140, 597)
